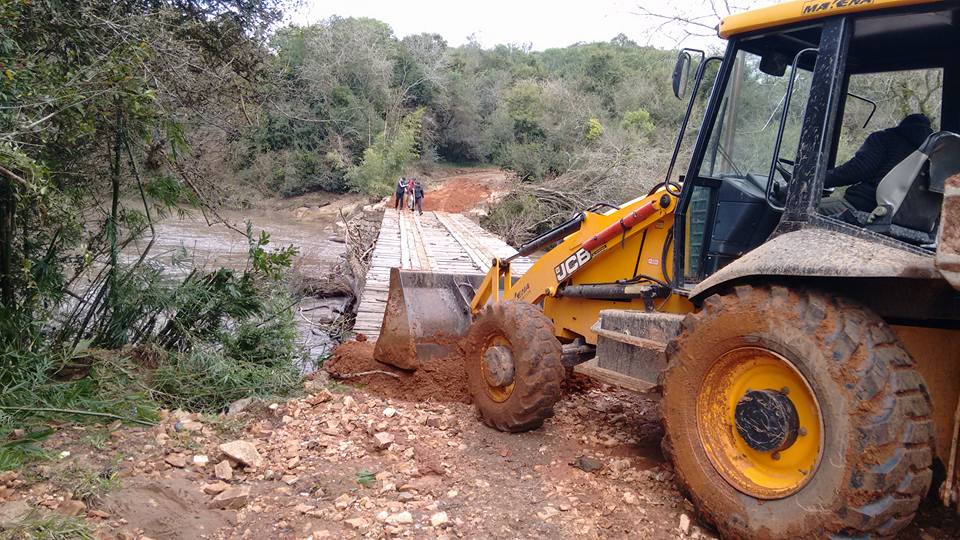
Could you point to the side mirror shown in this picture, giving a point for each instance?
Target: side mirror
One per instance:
(774, 64)
(681, 73)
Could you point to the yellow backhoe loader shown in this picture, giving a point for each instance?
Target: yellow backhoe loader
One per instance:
(809, 359)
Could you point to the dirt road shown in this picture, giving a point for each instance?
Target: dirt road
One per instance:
(349, 462)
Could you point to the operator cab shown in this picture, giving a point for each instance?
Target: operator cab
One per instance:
(789, 105)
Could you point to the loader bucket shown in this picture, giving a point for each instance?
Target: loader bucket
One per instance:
(427, 314)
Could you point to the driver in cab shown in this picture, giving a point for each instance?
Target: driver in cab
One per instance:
(879, 154)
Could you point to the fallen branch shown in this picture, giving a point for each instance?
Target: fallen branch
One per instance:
(363, 373)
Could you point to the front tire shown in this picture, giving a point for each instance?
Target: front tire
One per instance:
(524, 398)
(856, 463)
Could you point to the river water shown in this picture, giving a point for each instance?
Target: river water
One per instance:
(188, 242)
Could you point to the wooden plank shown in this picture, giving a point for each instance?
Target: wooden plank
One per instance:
(592, 370)
(436, 242)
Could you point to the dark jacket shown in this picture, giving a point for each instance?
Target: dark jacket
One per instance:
(880, 153)
(417, 191)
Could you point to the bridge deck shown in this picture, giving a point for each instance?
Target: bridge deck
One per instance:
(435, 242)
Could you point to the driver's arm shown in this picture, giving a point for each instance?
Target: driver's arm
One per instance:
(862, 166)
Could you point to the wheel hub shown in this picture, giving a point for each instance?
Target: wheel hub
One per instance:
(765, 443)
(499, 370)
(767, 420)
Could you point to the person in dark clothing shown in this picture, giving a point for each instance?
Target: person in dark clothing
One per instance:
(879, 154)
(418, 196)
(400, 193)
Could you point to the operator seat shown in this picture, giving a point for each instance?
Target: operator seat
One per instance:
(909, 197)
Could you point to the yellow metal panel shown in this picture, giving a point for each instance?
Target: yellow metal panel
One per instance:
(937, 356)
(802, 10)
(573, 317)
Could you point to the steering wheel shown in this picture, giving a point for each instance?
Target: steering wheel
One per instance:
(787, 175)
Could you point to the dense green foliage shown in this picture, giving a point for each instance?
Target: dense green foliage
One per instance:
(101, 103)
(354, 105)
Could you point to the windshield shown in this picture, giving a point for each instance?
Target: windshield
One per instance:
(745, 128)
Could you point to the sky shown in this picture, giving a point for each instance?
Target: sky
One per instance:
(542, 24)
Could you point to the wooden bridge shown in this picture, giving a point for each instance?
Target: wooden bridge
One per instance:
(434, 242)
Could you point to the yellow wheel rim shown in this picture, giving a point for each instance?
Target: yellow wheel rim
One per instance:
(496, 393)
(758, 473)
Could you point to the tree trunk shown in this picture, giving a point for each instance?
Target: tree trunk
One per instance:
(8, 205)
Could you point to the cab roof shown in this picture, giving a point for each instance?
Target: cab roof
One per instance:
(803, 10)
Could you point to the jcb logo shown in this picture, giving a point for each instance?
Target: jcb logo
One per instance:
(571, 264)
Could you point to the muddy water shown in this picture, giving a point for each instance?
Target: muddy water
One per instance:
(185, 243)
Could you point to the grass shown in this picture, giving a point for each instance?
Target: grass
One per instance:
(366, 478)
(48, 527)
(98, 439)
(226, 426)
(16, 453)
(88, 485)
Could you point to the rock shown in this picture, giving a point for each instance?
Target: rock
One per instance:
(629, 498)
(239, 406)
(176, 460)
(349, 402)
(619, 465)
(223, 470)
(383, 440)
(439, 519)
(189, 425)
(684, 524)
(547, 513)
(343, 501)
(357, 523)
(244, 452)
(322, 396)
(586, 463)
(389, 412)
(200, 460)
(319, 382)
(13, 512)
(401, 518)
(303, 508)
(234, 498)
(71, 508)
(424, 483)
(215, 488)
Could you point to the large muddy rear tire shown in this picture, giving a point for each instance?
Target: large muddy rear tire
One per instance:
(524, 397)
(857, 396)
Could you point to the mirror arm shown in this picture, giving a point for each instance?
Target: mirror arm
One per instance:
(701, 71)
(780, 130)
(872, 103)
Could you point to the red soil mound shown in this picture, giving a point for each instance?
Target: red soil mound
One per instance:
(439, 380)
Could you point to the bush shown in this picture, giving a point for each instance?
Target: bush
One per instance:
(202, 380)
(200, 343)
(528, 160)
(516, 218)
(593, 130)
(385, 161)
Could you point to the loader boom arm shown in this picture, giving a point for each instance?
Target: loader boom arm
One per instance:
(599, 235)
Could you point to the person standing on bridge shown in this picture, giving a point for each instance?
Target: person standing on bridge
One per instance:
(400, 194)
(418, 196)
